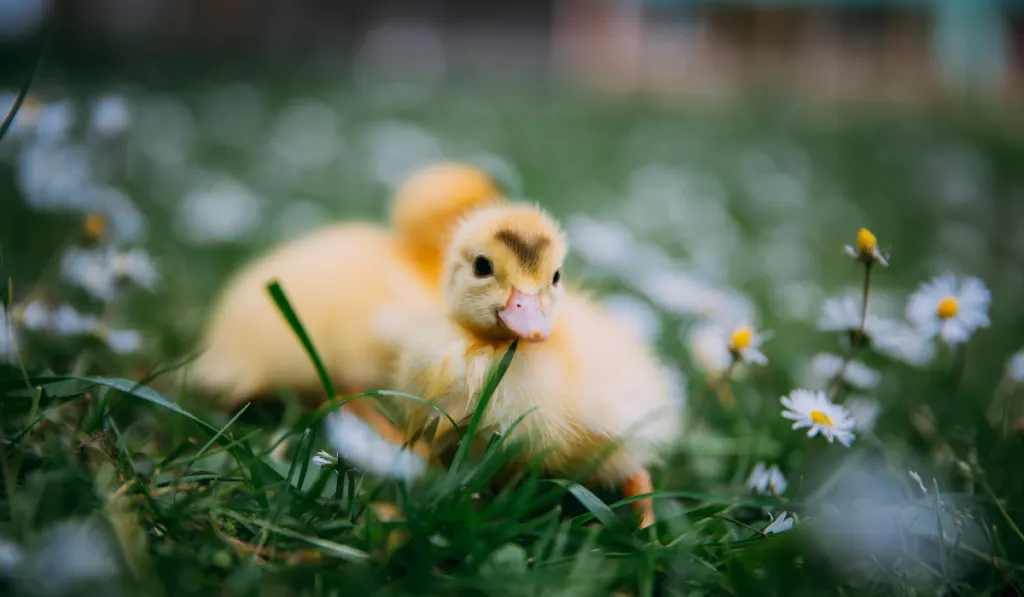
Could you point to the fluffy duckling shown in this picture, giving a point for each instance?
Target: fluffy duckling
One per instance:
(354, 285)
(591, 379)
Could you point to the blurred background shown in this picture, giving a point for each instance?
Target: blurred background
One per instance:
(729, 144)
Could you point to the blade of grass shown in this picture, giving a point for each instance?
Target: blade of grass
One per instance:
(493, 379)
(23, 92)
(344, 551)
(591, 502)
(285, 307)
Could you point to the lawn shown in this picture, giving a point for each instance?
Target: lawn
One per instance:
(682, 214)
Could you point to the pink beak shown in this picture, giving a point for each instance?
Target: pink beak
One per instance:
(523, 316)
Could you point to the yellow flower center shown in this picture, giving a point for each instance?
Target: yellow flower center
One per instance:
(94, 227)
(866, 242)
(821, 418)
(948, 307)
(742, 338)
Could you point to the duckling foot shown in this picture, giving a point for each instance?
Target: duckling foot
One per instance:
(639, 484)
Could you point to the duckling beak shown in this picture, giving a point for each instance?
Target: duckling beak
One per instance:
(523, 316)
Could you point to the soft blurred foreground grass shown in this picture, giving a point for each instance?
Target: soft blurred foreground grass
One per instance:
(168, 497)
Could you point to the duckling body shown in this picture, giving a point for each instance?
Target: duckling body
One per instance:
(586, 381)
(591, 381)
(355, 286)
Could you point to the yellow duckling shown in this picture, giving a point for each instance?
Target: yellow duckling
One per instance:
(355, 286)
(591, 379)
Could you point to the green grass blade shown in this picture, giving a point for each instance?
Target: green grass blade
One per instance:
(283, 305)
(23, 92)
(493, 379)
(591, 502)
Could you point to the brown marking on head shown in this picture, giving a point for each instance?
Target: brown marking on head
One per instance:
(527, 250)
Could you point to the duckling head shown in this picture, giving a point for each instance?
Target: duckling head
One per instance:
(502, 275)
(432, 200)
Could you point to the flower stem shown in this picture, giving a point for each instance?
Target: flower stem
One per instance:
(834, 383)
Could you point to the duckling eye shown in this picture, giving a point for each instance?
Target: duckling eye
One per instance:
(557, 277)
(482, 267)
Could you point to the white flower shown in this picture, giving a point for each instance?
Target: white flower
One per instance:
(815, 411)
(843, 314)
(10, 558)
(8, 342)
(745, 343)
(221, 210)
(864, 411)
(920, 483)
(826, 366)
(35, 316)
(126, 223)
(92, 270)
(123, 341)
(98, 271)
(780, 524)
(951, 308)
(322, 458)
(709, 347)
(903, 343)
(866, 249)
(110, 115)
(136, 266)
(767, 480)
(635, 314)
(366, 449)
(1015, 367)
(66, 321)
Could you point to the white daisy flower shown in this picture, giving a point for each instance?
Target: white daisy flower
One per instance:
(864, 411)
(824, 367)
(779, 525)
(843, 314)
(1015, 367)
(767, 480)
(8, 342)
(98, 271)
(137, 266)
(322, 458)
(34, 316)
(949, 307)
(66, 321)
(123, 341)
(110, 115)
(815, 411)
(866, 249)
(903, 343)
(709, 347)
(366, 449)
(745, 343)
(91, 270)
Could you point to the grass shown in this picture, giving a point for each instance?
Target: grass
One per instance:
(191, 501)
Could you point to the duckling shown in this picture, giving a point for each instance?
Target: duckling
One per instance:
(592, 381)
(354, 285)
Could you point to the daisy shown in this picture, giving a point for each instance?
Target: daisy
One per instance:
(780, 524)
(824, 367)
(951, 308)
(866, 249)
(1015, 367)
(8, 343)
(369, 451)
(123, 341)
(864, 411)
(322, 458)
(903, 343)
(815, 411)
(745, 343)
(843, 314)
(767, 480)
